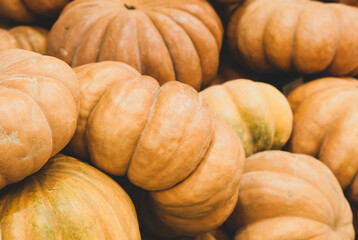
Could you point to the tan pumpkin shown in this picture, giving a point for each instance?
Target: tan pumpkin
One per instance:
(259, 113)
(67, 199)
(166, 39)
(325, 116)
(39, 105)
(295, 35)
(24, 37)
(30, 10)
(290, 196)
(30, 38)
(165, 140)
(7, 41)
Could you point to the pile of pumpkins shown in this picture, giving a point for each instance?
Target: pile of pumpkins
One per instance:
(178, 119)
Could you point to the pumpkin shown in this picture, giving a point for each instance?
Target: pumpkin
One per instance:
(259, 113)
(30, 10)
(67, 199)
(165, 140)
(290, 196)
(348, 2)
(30, 38)
(294, 35)
(166, 39)
(33, 126)
(7, 41)
(216, 234)
(325, 116)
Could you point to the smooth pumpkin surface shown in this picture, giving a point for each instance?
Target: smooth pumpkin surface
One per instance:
(30, 10)
(290, 196)
(165, 140)
(39, 104)
(303, 36)
(67, 199)
(259, 113)
(166, 39)
(325, 116)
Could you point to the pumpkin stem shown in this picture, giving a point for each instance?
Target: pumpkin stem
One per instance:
(129, 7)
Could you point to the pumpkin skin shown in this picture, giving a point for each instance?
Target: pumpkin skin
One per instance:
(32, 126)
(30, 38)
(259, 113)
(67, 199)
(303, 36)
(165, 140)
(324, 126)
(290, 196)
(184, 43)
(7, 41)
(28, 11)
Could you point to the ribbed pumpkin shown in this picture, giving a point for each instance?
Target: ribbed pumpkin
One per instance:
(7, 41)
(30, 10)
(67, 199)
(24, 37)
(259, 113)
(290, 196)
(325, 117)
(165, 140)
(39, 105)
(166, 39)
(295, 35)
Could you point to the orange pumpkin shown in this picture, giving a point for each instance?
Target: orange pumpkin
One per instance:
(166, 39)
(295, 35)
(30, 10)
(33, 126)
(165, 140)
(24, 37)
(290, 196)
(325, 116)
(67, 199)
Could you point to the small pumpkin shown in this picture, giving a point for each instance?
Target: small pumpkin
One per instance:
(67, 199)
(28, 11)
(290, 196)
(325, 116)
(165, 140)
(166, 39)
(33, 126)
(294, 35)
(259, 113)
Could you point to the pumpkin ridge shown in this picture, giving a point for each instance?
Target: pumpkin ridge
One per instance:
(53, 215)
(139, 57)
(88, 205)
(163, 39)
(328, 200)
(151, 113)
(247, 137)
(188, 35)
(104, 36)
(338, 40)
(294, 37)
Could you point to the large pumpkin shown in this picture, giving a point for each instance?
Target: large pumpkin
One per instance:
(165, 140)
(295, 35)
(30, 10)
(166, 39)
(39, 105)
(259, 113)
(290, 196)
(67, 199)
(325, 118)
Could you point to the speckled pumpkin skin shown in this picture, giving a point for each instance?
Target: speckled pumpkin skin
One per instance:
(258, 112)
(67, 199)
